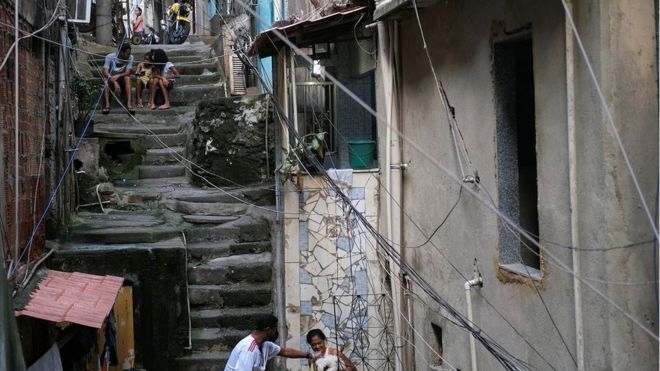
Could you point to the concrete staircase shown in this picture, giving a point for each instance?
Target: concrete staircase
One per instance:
(226, 235)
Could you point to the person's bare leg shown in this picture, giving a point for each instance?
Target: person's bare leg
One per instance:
(152, 93)
(106, 96)
(129, 93)
(166, 95)
(139, 93)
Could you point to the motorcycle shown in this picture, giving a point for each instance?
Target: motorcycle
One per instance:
(178, 22)
(148, 38)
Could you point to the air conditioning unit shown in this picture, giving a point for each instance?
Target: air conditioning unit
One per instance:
(80, 11)
(236, 76)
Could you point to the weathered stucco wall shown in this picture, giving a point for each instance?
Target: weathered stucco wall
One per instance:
(232, 137)
(334, 281)
(620, 38)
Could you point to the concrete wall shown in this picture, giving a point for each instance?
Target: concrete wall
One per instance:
(620, 38)
(333, 277)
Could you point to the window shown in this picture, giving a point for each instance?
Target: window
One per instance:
(516, 152)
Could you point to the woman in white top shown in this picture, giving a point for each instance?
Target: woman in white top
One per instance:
(326, 358)
(164, 74)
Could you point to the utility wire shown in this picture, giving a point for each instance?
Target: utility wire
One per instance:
(444, 169)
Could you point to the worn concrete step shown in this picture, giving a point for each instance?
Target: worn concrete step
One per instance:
(209, 219)
(208, 250)
(216, 339)
(176, 59)
(145, 115)
(223, 232)
(161, 171)
(150, 184)
(198, 68)
(260, 195)
(202, 361)
(161, 156)
(206, 208)
(238, 318)
(171, 140)
(185, 95)
(123, 235)
(231, 269)
(103, 130)
(230, 296)
(73, 247)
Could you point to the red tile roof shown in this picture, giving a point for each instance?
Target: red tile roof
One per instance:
(80, 298)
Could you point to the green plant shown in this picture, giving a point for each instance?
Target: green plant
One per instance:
(295, 155)
(86, 92)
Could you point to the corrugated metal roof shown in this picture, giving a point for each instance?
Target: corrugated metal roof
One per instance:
(81, 298)
(267, 42)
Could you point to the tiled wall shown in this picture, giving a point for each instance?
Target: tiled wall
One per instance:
(334, 280)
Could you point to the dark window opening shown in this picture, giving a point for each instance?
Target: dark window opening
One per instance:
(437, 332)
(117, 149)
(516, 151)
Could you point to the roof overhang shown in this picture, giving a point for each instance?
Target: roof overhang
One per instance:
(308, 32)
(388, 8)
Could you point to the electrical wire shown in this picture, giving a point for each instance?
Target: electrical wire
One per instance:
(610, 119)
(444, 169)
(48, 24)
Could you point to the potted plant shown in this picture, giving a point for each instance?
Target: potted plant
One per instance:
(295, 155)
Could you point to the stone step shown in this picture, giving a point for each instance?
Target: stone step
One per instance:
(261, 195)
(223, 232)
(230, 296)
(207, 77)
(123, 235)
(206, 208)
(146, 115)
(189, 47)
(209, 219)
(160, 156)
(173, 243)
(216, 339)
(232, 269)
(202, 361)
(107, 130)
(161, 171)
(179, 96)
(150, 184)
(209, 250)
(171, 140)
(238, 318)
(197, 68)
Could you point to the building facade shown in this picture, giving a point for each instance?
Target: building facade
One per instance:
(530, 143)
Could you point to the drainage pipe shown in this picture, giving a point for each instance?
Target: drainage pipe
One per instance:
(16, 135)
(572, 181)
(388, 50)
(468, 299)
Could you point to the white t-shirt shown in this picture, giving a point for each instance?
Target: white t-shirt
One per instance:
(167, 70)
(247, 356)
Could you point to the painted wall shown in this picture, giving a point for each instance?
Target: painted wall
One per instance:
(333, 276)
(620, 38)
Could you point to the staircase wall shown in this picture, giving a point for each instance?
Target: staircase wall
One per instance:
(158, 277)
(234, 137)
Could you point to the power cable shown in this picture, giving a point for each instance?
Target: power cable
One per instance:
(610, 119)
(441, 167)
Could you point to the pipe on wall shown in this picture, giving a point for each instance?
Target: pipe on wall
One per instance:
(388, 51)
(572, 171)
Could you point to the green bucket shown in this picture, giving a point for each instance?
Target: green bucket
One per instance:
(361, 153)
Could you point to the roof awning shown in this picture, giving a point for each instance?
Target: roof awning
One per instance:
(304, 33)
(81, 298)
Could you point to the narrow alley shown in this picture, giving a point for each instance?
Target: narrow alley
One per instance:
(386, 185)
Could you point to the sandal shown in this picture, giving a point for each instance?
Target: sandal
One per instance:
(131, 110)
(106, 110)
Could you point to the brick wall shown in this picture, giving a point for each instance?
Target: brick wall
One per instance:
(37, 115)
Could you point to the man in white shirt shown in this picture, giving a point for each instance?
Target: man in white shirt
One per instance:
(253, 352)
(117, 70)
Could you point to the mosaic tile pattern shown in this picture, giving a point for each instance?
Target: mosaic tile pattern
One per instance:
(337, 290)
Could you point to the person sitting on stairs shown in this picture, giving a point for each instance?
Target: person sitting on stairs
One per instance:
(164, 74)
(117, 70)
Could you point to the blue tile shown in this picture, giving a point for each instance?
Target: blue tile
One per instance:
(361, 286)
(302, 236)
(305, 307)
(328, 320)
(344, 243)
(305, 277)
(356, 193)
